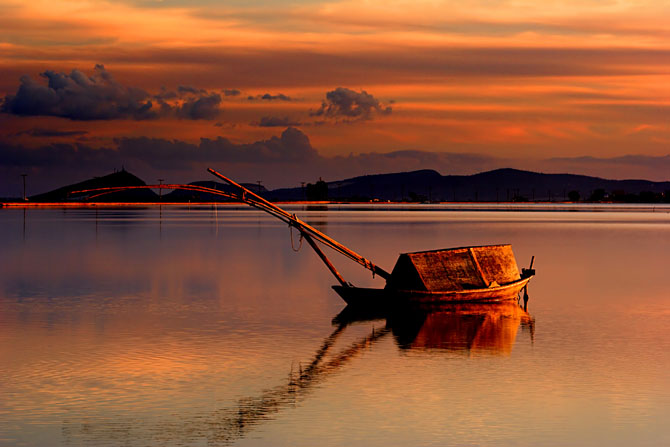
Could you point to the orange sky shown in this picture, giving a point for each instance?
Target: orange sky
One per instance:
(510, 79)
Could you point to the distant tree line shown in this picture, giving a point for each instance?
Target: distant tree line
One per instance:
(317, 191)
(600, 195)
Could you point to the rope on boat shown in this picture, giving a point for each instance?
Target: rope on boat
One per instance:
(370, 266)
(290, 229)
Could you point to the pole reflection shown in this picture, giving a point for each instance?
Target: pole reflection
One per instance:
(468, 328)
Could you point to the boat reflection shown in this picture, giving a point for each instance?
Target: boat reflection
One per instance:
(466, 328)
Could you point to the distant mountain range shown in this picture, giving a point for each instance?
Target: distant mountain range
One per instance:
(501, 185)
(497, 185)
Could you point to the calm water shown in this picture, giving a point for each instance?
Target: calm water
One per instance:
(202, 326)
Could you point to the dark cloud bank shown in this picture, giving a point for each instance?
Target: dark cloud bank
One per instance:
(280, 161)
(100, 97)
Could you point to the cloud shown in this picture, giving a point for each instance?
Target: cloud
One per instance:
(351, 105)
(54, 165)
(624, 167)
(282, 160)
(276, 121)
(205, 106)
(39, 132)
(165, 95)
(269, 97)
(401, 64)
(292, 146)
(79, 97)
(57, 155)
(231, 92)
(99, 97)
(341, 167)
(189, 89)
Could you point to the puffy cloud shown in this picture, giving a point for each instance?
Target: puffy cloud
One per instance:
(205, 106)
(79, 97)
(99, 97)
(351, 105)
(276, 121)
(291, 146)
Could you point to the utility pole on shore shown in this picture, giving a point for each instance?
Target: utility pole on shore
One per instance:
(160, 190)
(24, 186)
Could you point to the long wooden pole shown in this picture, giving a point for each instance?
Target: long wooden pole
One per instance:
(252, 199)
(113, 189)
(257, 201)
(325, 259)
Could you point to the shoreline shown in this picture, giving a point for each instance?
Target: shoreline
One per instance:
(398, 206)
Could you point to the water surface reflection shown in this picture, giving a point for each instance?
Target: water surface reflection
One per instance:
(468, 328)
(180, 326)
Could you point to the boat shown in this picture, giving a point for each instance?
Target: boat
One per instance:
(486, 273)
(483, 273)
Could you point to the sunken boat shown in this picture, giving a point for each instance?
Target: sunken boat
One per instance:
(486, 273)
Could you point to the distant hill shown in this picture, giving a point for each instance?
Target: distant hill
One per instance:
(367, 187)
(182, 195)
(501, 185)
(498, 185)
(120, 178)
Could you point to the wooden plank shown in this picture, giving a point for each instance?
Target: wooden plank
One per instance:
(479, 268)
(498, 263)
(448, 270)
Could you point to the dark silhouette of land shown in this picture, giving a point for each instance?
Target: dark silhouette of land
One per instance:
(179, 195)
(119, 178)
(500, 185)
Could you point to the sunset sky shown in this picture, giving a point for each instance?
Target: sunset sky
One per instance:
(166, 88)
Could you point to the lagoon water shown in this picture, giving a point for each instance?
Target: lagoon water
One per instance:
(202, 326)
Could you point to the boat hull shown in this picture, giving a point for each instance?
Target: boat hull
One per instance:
(361, 296)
